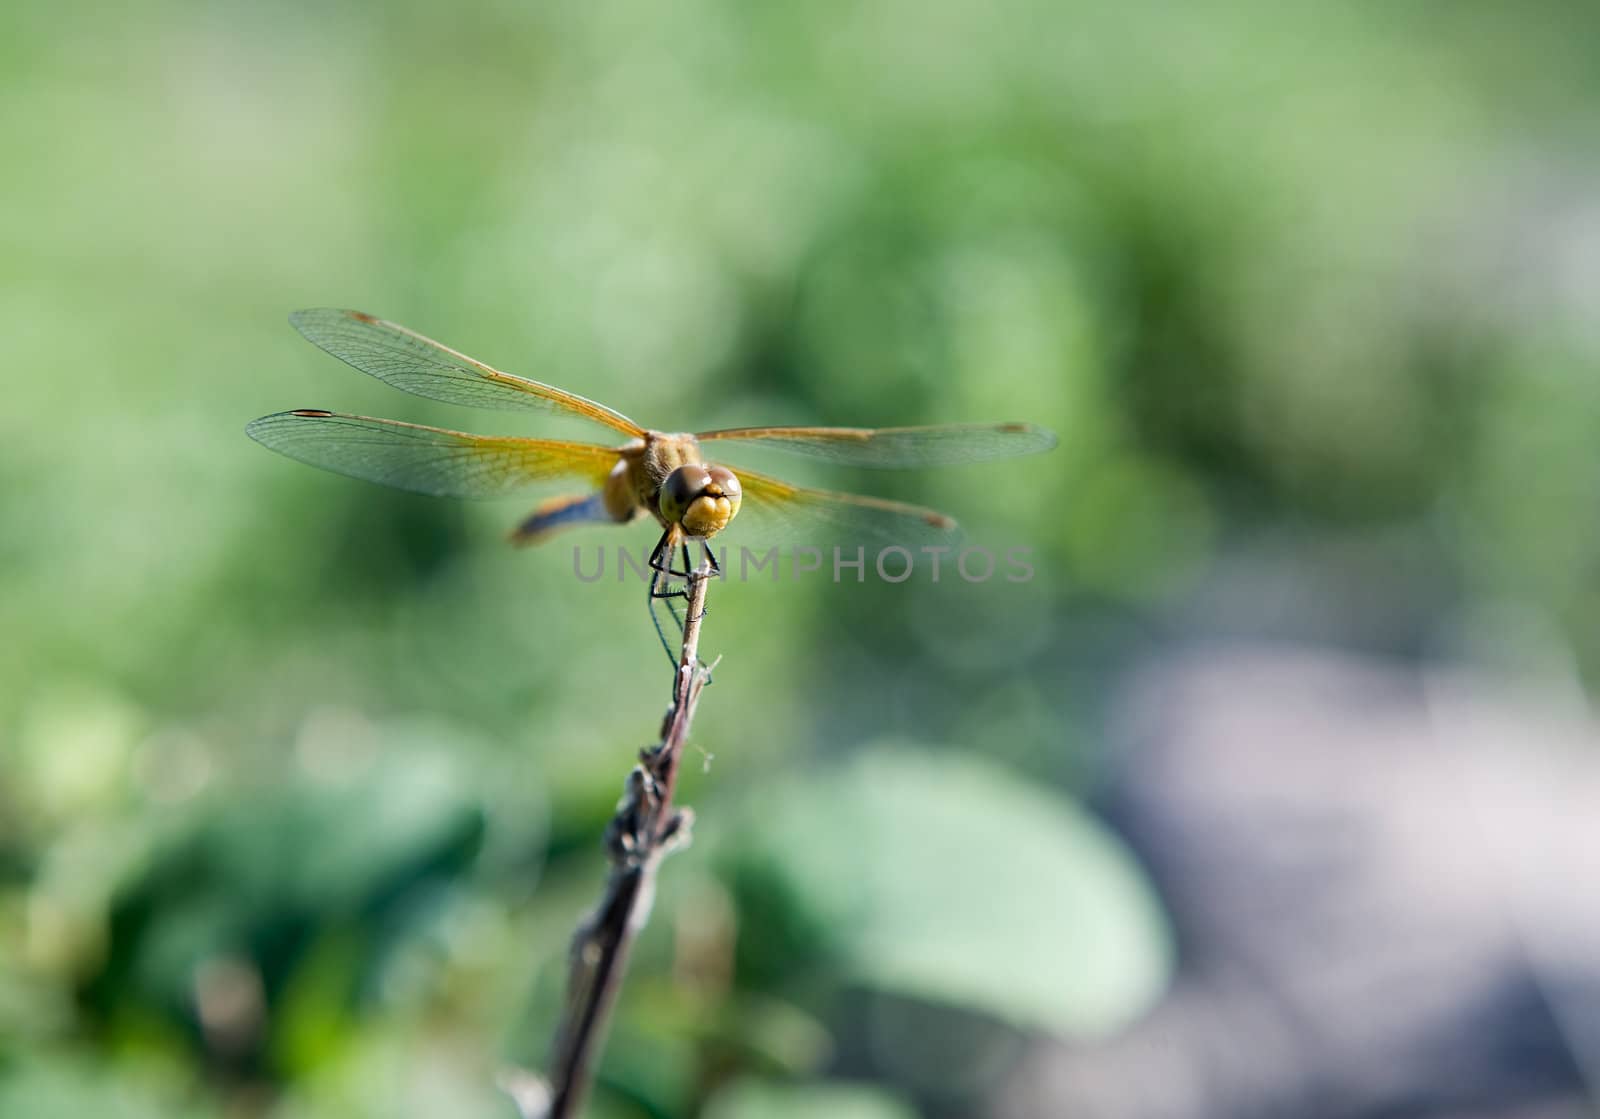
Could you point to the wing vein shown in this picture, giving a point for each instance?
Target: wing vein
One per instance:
(414, 363)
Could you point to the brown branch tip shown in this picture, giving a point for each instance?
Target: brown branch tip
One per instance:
(645, 829)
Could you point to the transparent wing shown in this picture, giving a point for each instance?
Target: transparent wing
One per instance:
(774, 512)
(428, 460)
(407, 360)
(895, 447)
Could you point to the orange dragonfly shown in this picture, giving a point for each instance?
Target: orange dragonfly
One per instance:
(667, 476)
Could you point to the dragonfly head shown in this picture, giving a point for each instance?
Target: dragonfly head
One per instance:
(703, 499)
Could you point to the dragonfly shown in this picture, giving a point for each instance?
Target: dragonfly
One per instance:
(677, 479)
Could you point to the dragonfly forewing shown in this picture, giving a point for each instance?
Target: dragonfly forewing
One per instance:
(893, 447)
(417, 364)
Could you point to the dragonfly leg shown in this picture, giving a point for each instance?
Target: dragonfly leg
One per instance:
(660, 549)
(661, 561)
(661, 589)
(672, 609)
(655, 619)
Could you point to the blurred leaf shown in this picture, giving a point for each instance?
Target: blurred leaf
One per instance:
(774, 1036)
(248, 893)
(46, 1088)
(313, 1015)
(387, 1072)
(754, 1099)
(653, 1067)
(760, 1033)
(941, 877)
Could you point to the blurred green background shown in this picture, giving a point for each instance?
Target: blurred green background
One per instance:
(302, 780)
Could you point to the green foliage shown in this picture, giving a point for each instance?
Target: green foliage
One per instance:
(812, 1101)
(938, 877)
(301, 781)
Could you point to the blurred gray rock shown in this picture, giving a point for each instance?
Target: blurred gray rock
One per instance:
(1386, 888)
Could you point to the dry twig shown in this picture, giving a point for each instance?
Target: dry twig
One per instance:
(645, 829)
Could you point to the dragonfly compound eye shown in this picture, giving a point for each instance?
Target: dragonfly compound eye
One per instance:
(701, 499)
